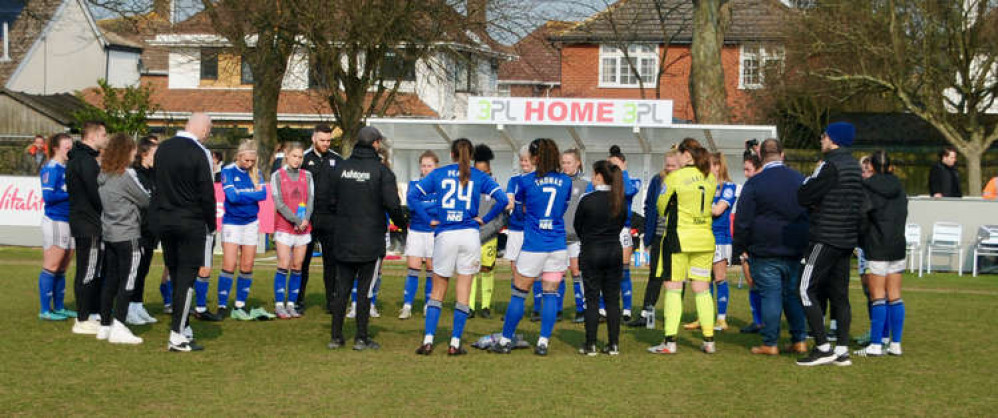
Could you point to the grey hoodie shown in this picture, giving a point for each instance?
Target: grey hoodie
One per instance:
(123, 199)
(579, 185)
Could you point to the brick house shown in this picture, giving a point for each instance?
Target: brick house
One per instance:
(590, 61)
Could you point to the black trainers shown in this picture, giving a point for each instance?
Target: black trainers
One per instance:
(184, 347)
(612, 349)
(580, 318)
(817, 358)
(485, 313)
(368, 344)
(500, 348)
(471, 313)
(639, 321)
(336, 343)
(842, 360)
(541, 349)
(625, 318)
(589, 350)
(206, 316)
(425, 349)
(561, 316)
(751, 329)
(456, 351)
(222, 313)
(535, 316)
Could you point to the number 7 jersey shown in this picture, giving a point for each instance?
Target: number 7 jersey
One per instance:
(457, 205)
(687, 204)
(545, 199)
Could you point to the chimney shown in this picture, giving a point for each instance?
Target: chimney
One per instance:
(165, 9)
(477, 16)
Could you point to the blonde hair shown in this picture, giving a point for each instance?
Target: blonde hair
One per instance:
(722, 172)
(671, 153)
(247, 146)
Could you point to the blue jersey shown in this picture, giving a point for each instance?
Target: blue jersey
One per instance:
(722, 224)
(53, 175)
(545, 199)
(419, 221)
(516, 218)
(456, 206)
(242, 199)
(631, 189)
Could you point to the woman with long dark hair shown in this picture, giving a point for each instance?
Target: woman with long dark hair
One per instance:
(544, 255)
(457, 248)
(884, 245)
(690, 241)
(123, 199)
(598, 220)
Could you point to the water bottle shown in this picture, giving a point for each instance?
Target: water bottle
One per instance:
(302, 210)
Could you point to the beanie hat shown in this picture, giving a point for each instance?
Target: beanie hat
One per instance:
(841, 133)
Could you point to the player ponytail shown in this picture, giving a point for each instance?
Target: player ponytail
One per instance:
(614, 178)
(701, 158)
(881, 162)
(461, 151)
(545, 155)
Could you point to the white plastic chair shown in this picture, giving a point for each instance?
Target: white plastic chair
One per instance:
(913, 244)
(987, 243)
(946, 239)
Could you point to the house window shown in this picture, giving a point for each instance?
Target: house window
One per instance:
(396, 67)
(755, 61)
(246, 72)
(617, 69)
(466, 74)
(209, 64)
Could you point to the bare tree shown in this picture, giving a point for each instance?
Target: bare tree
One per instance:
(936, 58)
(707, 91)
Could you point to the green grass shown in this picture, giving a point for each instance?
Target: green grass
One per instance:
(283, 367)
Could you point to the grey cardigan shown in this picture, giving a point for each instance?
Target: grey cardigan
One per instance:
(123, 199)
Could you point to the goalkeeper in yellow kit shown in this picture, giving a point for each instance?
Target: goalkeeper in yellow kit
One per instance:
(689, 238)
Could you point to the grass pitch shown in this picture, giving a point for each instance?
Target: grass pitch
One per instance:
(283, 368)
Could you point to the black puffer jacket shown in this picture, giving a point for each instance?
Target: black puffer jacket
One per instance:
(884, 219)
(358, 195)
(321, 166)
(834, 197)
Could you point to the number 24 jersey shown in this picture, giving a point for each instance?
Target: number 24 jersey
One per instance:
(456, 204)
(545, 199)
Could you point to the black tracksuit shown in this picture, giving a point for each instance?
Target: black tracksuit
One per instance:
(884, 219)
(148, 242)
(834, 197)
(85, 224)
(182, 213)
(359, 193)
(321, 166)
(600, 261)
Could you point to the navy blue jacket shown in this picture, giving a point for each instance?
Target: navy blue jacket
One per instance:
(651, 209)
(769, 221)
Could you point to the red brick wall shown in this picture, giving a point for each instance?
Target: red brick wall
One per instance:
(523, 90)
(580, 78)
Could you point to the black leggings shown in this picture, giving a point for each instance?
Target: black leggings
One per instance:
(148, 245)
(602, 271)
(89, 275)
(365, 274)
(654, 287)
(121, 271)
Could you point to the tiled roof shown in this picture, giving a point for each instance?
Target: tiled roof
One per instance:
(26, 29)
(539, 60)
(637, 20)
(240, 101)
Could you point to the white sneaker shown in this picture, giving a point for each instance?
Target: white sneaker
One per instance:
(872, 350)
(374, 312)
(133, 317)
(406, 312)
(352, 313)
(144, 314)
(103, 332)
(86, 327)
(120, 334)
(708, 347)
(188, 333)
(894, 349)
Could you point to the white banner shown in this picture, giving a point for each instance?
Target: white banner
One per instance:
(21, 201)
(580, 112)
